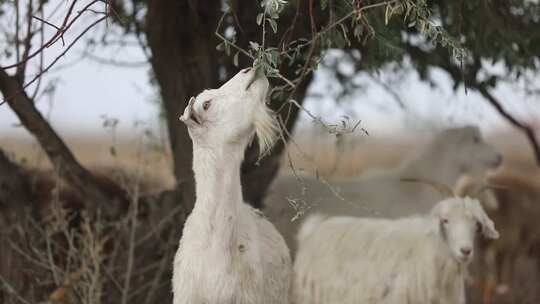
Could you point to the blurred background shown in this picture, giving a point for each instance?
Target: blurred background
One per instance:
(92, 92)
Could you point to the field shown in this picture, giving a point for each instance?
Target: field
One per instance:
(311, 154)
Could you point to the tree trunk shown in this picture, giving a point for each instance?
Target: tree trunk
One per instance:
(59, 154)
(184, 60)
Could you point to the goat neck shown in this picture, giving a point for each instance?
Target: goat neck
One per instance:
(217, 179)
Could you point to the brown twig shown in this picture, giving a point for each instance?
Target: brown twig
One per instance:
(235, 17)
(17, 36)
(41, 57)
(529, 132)
(287, 35)
(390, 90)
(26, 85)
(57, 151)
(27, 42)
(66, 24)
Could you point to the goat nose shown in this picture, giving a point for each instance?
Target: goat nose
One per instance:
(466, 251)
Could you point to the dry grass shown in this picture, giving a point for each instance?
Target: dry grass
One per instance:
(325, 154)
(358, 153)
(98, 153)
(351, 155)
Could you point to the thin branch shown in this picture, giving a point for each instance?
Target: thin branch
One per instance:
(41, 56)
(17, 36)
(21, 69)
(47, 23)
(131, 249)
(529, 132)
(6, 99)
(235, 16)
(225, 40)
(66, 25)
(112, 62)
(58, 153)
(389, 90)
(11, 290)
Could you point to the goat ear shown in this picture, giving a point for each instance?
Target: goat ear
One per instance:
(488, 227)
(437, 210)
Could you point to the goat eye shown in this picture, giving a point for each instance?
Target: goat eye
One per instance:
(206, 105)
(444, 221)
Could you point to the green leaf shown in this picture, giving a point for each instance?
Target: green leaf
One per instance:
(235, 59)
(221, 46)
(254, 45)
(324, 4)
(259, 18)
(358, 31)
(273, 24)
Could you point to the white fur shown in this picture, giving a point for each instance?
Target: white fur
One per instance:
(410, 260)
(229, 253)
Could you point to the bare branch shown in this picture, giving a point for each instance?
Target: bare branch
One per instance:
(66, 25)
(390, 90)
(38, 76)
(61, 157)
(529, 132)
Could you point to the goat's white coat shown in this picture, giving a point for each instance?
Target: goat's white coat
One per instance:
(229, 253)
(410, 260)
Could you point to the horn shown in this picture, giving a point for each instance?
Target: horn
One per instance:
(467, 185)
(485, 187)
(187, 111)
(441, 188)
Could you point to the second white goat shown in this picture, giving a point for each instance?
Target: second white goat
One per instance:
(420, 259)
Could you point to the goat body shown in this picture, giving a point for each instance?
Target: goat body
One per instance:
(411, 267)
(360, 260)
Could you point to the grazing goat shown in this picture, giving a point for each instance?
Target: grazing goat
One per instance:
(450, 154)
(409, 260)
(229, 253)
(512, 200)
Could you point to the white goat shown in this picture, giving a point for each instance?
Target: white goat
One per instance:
(409, 260)
(229, 253)
(447, 156)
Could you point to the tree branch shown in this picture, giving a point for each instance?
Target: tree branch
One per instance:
(529, 132)
(57, 151)
(437, 60)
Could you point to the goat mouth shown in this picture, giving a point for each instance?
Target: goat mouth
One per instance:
(464, 259)
(251, 81)
(196, 119)
(256, 75)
